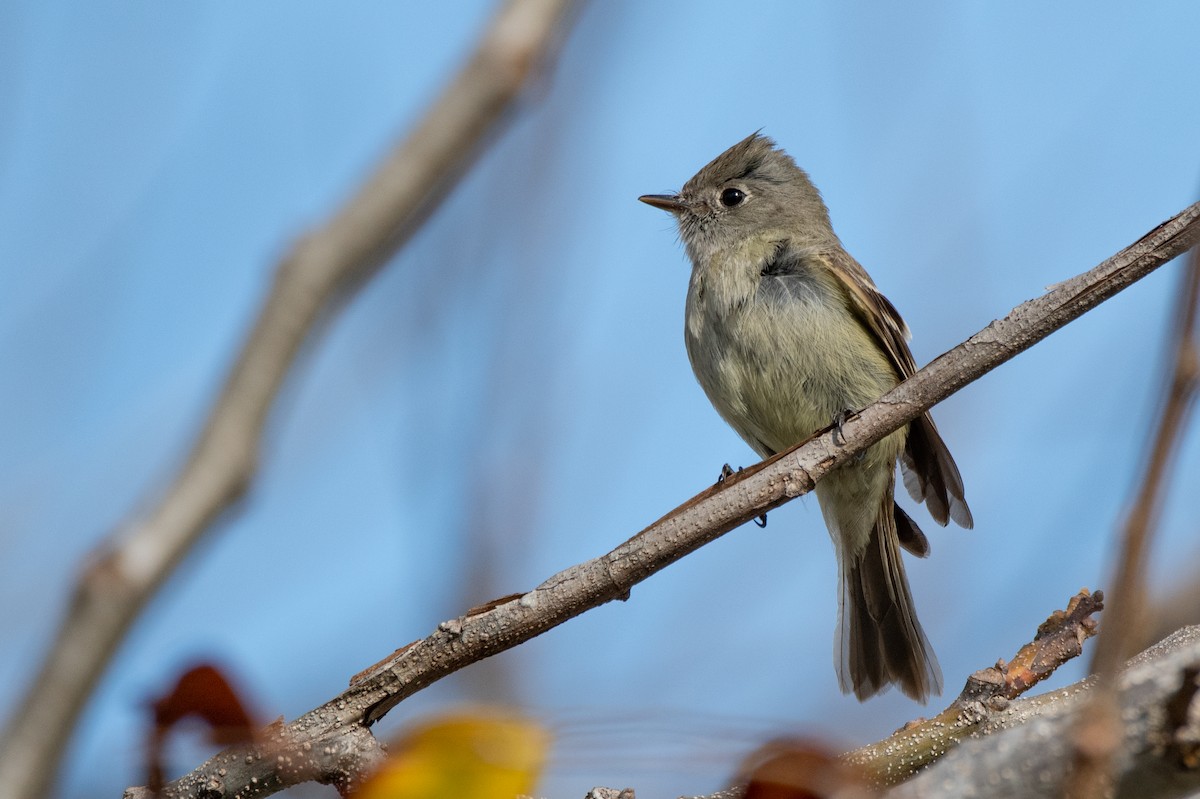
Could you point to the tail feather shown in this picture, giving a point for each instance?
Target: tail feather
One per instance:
(880, 640)
(910, 535)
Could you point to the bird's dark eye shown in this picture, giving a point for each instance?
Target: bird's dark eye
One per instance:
(732, 197)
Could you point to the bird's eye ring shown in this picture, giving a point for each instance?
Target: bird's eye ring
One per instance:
(732, 197)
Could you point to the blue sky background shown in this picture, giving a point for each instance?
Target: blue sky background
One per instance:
(511, 395)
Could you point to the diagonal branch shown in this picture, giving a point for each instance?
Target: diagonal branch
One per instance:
(509, 621)
(127, 569)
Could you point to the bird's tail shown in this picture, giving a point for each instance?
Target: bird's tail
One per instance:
(880, 640)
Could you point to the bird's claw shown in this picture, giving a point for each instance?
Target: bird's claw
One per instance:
(839, 423)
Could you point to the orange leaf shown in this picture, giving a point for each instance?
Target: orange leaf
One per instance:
(202, 692)
(799, 768)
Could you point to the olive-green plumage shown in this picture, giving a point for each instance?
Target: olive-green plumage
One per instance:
(785, 331)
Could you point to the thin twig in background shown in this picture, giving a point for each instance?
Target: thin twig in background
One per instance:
(128, 567)
(504, 623)
(1099, 731)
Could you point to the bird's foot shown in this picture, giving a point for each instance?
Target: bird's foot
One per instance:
(839, 423)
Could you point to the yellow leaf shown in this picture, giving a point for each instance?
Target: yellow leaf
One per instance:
(477, 755)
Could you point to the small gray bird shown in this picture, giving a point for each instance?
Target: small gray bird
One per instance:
(786, 333)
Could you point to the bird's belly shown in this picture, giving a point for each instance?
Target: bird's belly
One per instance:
(777, 375)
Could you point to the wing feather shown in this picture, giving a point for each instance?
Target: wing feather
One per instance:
(930, 474)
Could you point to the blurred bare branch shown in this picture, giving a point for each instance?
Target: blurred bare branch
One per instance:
(125, 571)
(507, 622)
(1099, 731)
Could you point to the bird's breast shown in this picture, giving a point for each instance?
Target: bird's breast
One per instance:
(779, 362)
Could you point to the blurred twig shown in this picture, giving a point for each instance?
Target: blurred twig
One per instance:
(504, 623)
(1099, 733)
(126, 570)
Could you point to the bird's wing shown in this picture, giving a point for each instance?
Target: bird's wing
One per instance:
(874, 310)
(930, 474)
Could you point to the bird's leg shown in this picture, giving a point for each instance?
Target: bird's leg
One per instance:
(839, 431)
(839, 423)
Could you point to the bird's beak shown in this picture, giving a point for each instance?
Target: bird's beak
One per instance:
(667, 202)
